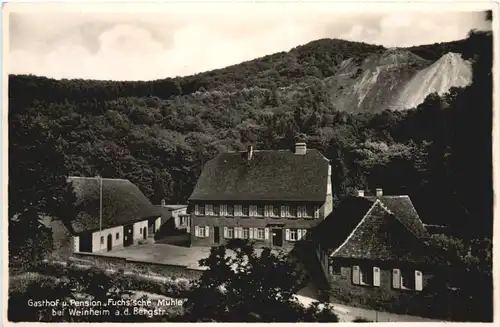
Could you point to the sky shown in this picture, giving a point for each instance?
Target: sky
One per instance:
(148, 46)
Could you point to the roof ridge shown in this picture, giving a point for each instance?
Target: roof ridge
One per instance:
(98, 178)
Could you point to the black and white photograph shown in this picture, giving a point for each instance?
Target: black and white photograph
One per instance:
(249, 162)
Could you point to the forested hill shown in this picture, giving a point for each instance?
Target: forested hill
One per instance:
(159, 133)
(316, 60)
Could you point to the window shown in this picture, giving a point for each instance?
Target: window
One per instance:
(117, 236)
(223, 210)
(260, 211)
(102, 240)
(260, 234)
(244, 211)
(252, 210)
(229, 232)
(209, 210)
(201, 231)
(316, 212)
(216, 210)
(366, 275)
(309, 212)
(304, 211)
(275, 211)
(407, 279)
(184, 220)
(229, 210)
(199, 210)
(292, 211)
(238, 210)
(295, 234)
(246, 233)
(267, 210)
(285, 211)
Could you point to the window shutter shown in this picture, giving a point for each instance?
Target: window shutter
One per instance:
(196, 209)
(355, 275)
(418, 280)
(316, 212)
(225, 232)
(287, 234)
(376, 276)
(207, 231)
(206, 210)
(396, 278)
(271, 210)
(299, 212)
(240, 232)
(250, 233)
(299, 234)
(282, 212)
(304, 231)
(196, 231)
(265, 210)
(266, 233)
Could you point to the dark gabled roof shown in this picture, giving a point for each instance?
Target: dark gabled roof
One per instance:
(375, 229)
(403, 209)
(122, 203)
(269, 175)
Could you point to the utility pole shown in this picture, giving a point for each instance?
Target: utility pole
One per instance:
(100, 205)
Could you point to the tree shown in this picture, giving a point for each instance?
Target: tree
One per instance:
(242, 286)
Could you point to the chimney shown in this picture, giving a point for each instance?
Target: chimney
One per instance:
(379, 192)
(361, 193)
(250, 152)
(162, 202)
(300, 148)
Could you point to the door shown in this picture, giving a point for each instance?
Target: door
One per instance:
(277, 237)
(110, 242)
(145, 233)
(128, 237)
(216, 235)
(85, 242)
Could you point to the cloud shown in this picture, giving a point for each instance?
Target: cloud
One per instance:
(153, 46)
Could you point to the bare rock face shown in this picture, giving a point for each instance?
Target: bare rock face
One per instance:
(396, 79)
(449, 71)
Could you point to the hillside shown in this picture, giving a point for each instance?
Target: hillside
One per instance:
(334, 93)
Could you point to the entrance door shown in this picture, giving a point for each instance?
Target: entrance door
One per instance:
(145, 233)
(110, 242)
(277, 237)
(128, 237)
(216, 235)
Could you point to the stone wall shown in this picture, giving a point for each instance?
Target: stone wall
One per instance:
(116, 263)
(383, 297)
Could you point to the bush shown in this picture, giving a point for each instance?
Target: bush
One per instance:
(361, 319)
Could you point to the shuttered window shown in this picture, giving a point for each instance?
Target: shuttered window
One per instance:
(229, 210)
(418, 281)
(355, 275)
(207, 231)
(196, 209)
(237, 210)
(316, 212)
(223, 210)
(283, 212)
(396, 278)
(376, 276)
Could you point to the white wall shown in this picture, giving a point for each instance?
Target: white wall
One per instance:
(96, 238)
(157, 224)
(76, 244)
(137, 230)
(175, 215)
